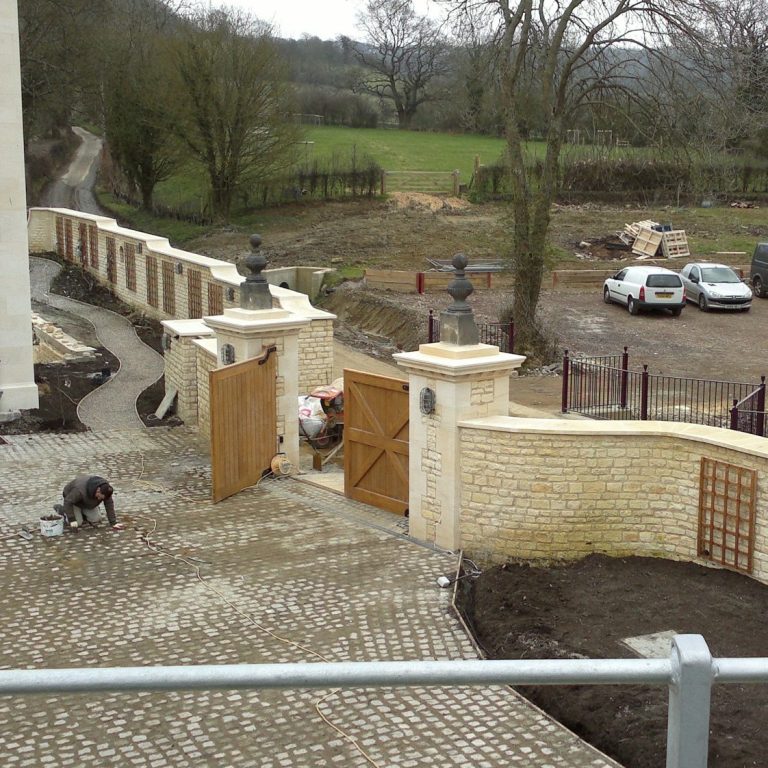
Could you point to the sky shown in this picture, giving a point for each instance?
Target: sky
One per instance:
(326, 19)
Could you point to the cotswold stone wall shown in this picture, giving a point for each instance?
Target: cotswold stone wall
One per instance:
(168, 283)
(562, 489)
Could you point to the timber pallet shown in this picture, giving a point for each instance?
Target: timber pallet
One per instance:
(674, 244)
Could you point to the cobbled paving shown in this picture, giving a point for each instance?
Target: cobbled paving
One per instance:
(282, 572)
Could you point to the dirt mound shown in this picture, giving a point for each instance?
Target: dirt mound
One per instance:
(386, 320)
(419, 201)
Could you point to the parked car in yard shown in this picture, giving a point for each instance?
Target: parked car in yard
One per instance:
(758, 272)
(715, 286)
(645, 287)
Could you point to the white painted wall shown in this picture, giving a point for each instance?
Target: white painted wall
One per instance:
(16, 368)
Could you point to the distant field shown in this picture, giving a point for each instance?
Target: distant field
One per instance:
(393, 150)
(397, 150)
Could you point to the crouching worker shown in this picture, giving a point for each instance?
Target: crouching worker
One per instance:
(82, 497)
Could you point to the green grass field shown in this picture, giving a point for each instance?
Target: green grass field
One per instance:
(397, 150)
(393, 150)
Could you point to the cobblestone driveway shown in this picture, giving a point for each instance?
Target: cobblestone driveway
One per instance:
(328, 576)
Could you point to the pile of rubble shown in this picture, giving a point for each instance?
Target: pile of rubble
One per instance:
(650, 240)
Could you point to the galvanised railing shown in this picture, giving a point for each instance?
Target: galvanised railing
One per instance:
(689, 672)
(605, 388)
(501, 335)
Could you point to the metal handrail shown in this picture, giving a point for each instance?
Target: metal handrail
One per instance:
(689, 672)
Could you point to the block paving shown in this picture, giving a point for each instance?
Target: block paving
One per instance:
(282, 572)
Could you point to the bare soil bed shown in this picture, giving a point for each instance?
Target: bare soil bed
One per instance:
(586, 608)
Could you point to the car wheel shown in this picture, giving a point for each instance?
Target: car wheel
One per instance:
(632, 306)
(676, 312)
(606, 296)
(757, 287)
(703, 303)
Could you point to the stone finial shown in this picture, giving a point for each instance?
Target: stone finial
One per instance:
(254, 290)
(457, 322)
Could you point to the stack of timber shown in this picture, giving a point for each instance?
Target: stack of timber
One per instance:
(647, 237)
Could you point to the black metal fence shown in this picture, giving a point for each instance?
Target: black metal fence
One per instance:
(501, 335)
(604, 387)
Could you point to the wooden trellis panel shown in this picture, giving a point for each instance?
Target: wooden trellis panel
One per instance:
(130, 267)
(151, 281)
(727, 514)
(93, 236)
(194, 293)
(215, 299)
(169, 289)
(111, 260)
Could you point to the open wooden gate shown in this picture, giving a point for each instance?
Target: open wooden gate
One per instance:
(376, 440)
(243, 406)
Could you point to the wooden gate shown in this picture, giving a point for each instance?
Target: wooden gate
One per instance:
(376, 440)
(243, 406)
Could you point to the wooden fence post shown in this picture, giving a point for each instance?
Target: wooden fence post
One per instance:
(383, 182)
(455, 175)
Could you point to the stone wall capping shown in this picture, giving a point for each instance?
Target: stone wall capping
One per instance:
(207, 345)
(451, 360)
(187, 328)
(715, 436)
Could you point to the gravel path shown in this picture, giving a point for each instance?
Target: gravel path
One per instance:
(113, 405)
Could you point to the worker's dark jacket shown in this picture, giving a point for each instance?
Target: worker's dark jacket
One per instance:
(81, 493)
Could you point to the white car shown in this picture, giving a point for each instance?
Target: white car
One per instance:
(715, 286)
(646, 287)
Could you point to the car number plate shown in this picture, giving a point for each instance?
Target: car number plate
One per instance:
(663, 295)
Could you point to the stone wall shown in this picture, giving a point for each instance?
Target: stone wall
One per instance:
(561, 489)
(205, 362)
(168, 283)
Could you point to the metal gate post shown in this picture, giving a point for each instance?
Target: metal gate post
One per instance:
(624, 376)
(689, 699)
(735, 414)
(644, 394)
(566, 373)
(760, 431)
(431, 327)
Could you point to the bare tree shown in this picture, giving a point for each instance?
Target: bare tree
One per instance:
(403, 55)
(235, 106)
(566, 52)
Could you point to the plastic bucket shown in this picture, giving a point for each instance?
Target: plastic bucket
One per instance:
(52, 527)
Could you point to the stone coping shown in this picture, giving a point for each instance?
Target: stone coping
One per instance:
(457, 360)
(62, 343)
(207, 345)
(722, 438)
(190, 327)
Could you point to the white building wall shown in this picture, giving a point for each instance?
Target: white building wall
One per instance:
(16, 368)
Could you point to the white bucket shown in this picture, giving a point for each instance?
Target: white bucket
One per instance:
(52, 527)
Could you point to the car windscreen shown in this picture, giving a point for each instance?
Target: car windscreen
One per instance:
(663, 281)
(719, 275)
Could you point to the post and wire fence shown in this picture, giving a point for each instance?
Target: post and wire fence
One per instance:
(604, 387)
(689, 672)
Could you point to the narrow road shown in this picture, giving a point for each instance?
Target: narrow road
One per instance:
(75, 188)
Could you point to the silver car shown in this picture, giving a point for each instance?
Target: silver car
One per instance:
(715, 286)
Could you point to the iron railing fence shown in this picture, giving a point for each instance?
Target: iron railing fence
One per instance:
(689, 672)
(748, 414)
(603, 387)
(501, 335)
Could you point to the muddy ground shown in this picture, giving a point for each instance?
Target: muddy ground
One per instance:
(586, 608)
